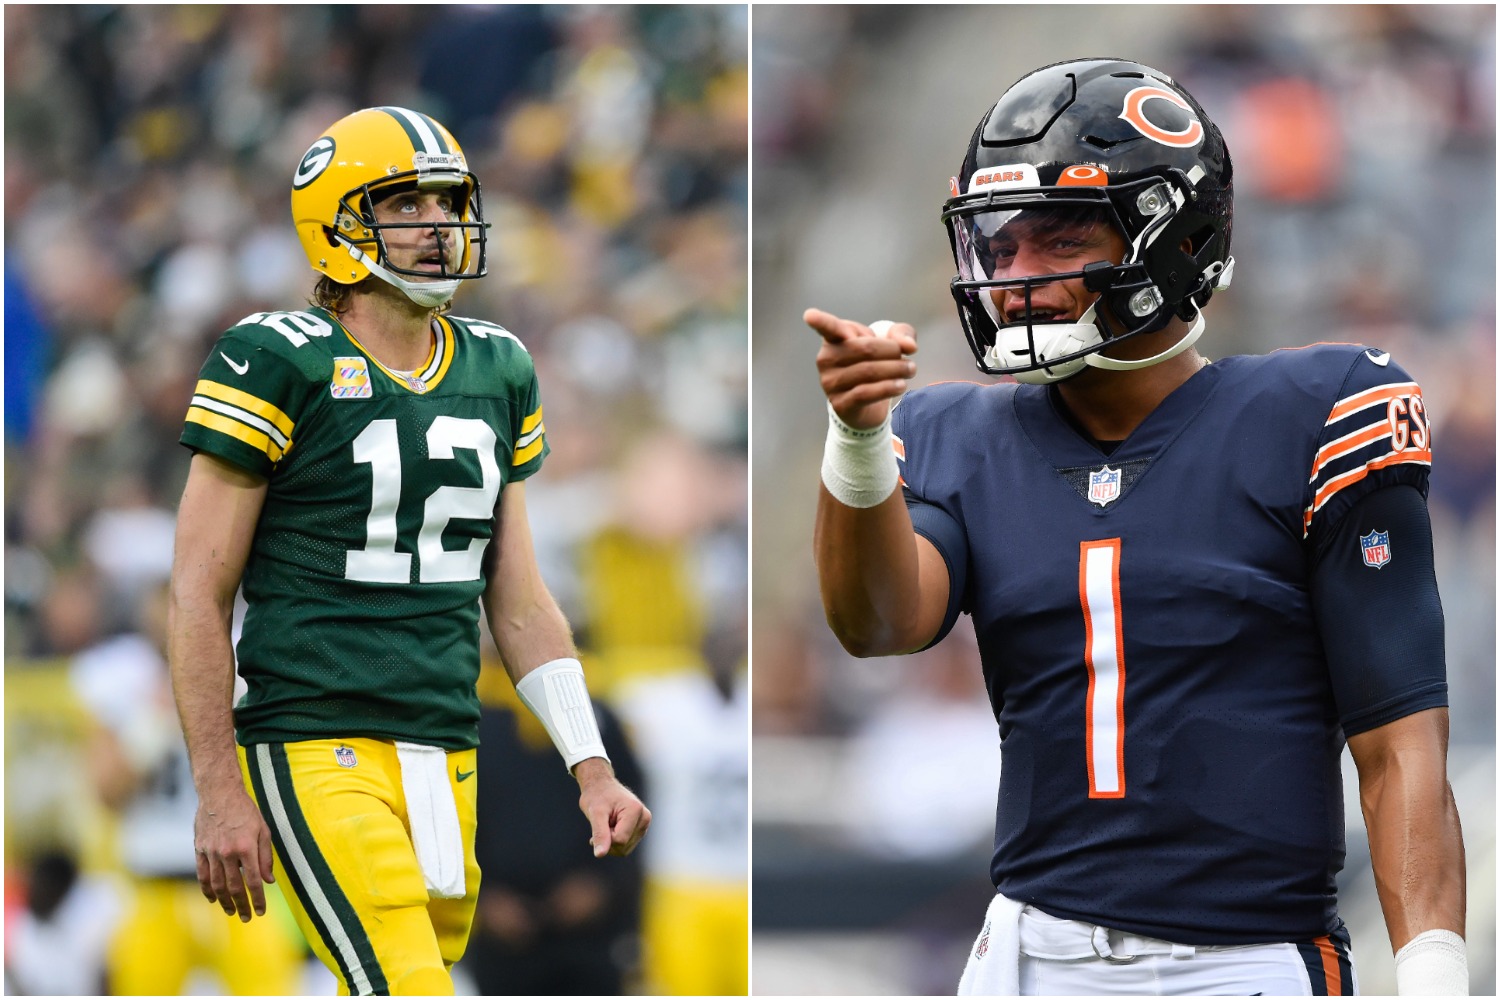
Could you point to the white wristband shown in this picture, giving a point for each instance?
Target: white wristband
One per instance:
(557, 696)
(859, 466)
(1433, 964)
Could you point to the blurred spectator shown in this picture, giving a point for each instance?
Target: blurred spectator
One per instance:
(552, 919)
(922, 763)
(170, 937)
(55, 942)
(691, 728)
(25, 355)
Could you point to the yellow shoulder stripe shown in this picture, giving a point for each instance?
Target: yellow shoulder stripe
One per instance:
(245, 401)
(530, 422)
(236, 430)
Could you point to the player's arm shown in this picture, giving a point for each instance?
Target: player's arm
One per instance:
(1416, 845)
(537, 649)
(1382, 628)
(216, 522)
(885, 588)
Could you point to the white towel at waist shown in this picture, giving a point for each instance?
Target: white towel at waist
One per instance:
(994, 966)
(433, 816)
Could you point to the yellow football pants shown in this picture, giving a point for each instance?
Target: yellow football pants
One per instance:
(697, 938)
(346, 864)
(171, 930)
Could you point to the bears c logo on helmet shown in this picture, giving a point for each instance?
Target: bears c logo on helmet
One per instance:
(1134, 113)
(314, 162)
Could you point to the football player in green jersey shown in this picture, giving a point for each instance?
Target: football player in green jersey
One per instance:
(359, 470)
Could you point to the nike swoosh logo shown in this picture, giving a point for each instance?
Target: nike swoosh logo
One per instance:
(463, 775)
(1381, 358)
(239, 369)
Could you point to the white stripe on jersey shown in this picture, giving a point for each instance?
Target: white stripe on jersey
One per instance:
(243, 416)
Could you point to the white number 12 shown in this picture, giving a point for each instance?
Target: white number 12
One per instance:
(1104, 655)
(379, 447)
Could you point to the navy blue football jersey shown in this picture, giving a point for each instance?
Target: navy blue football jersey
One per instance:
(1169, 731)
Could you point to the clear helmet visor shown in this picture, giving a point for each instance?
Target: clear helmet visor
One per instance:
(1039, 240)
(1025, 263)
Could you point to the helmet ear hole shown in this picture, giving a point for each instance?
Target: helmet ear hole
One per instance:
(1194, 244)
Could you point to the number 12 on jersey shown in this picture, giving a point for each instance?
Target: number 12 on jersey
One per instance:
(379, 446)
(1104, 655)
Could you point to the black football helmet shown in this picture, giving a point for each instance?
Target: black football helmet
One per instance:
(1093, 141)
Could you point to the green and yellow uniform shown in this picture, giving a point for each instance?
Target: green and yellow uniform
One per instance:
(365, 574)
(363, 585)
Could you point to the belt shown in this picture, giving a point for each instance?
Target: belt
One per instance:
(1048, 937)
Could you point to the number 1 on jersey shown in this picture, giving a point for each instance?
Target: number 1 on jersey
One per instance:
(1104, 655)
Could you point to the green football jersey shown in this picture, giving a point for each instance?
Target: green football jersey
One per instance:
(364, 576)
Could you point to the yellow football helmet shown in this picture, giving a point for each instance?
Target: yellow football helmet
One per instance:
(364, 158)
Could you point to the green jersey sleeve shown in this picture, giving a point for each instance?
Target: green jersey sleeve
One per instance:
(515, 373)
(246, 401)
(531, 434)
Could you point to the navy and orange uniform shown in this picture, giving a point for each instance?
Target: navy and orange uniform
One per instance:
(1167, 633)
(364, 577)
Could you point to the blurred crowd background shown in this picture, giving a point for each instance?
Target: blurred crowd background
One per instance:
(1364, 146)
(148, 159)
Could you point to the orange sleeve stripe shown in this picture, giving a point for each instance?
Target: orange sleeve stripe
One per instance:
(899, 446)
(1360, 400)
(1350, 443)
(1330, 488)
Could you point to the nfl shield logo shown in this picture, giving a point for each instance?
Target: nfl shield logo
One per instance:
(1376, 548)
(1104, 486)
(345, 756)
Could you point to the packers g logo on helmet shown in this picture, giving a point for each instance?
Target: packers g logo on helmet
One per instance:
(364, 158)
(314, 162)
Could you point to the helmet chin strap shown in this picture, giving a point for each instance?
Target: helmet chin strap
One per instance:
(1117, 365)
(427, 294)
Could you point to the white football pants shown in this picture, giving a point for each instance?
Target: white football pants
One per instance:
(1022, 951)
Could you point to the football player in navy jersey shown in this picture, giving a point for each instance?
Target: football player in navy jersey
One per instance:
(1191, 582)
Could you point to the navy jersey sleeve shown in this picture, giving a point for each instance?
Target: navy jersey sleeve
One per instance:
(1375, 596)
(947, 536)
(1376, 434)
(918, 451)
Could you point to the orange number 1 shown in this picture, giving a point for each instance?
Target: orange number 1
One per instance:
(1104, 655)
